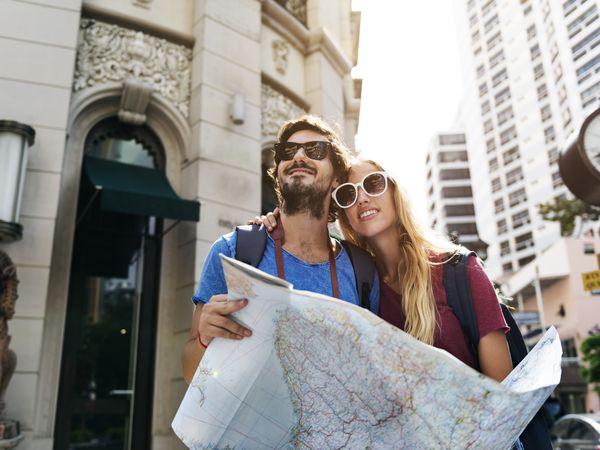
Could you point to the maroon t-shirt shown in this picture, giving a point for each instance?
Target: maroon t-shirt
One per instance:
(449, 335)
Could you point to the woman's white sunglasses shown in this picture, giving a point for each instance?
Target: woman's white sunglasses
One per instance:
(373, 184)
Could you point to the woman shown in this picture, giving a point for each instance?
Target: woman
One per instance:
(376, 217)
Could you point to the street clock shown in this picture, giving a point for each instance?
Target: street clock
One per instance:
(579, 163)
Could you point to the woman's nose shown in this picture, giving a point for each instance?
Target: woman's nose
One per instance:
(361, 197)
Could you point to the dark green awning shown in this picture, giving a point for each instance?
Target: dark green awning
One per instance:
(130, 189)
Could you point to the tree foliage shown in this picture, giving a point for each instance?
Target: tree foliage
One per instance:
(565, 211)
(590, 354)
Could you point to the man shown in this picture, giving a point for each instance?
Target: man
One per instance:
(310, 162)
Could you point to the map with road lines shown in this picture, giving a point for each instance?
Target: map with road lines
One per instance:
(319, 373)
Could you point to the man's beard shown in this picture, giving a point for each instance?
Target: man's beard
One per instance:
(299, 198)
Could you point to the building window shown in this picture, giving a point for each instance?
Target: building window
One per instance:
(590, 95)
(585, 41)
(488, 126)
(574, 27)
(490, 145)
(549, 135)
(499, 77)
(454, 174)
(459, 210)
(507, 267)
(556, 180)
(473, 20)
(507, 135)
(535, 52)
(480, 71)
(510, 155)
(505, 115)
(531, 32)
(457, 192)
(496, 184)
(475, 37)
(538, 71)
(558, 73)
(453, 156)
(485, 107)
(553, 155)
(452, 139)
(483, 89)
(513, 176)
(493, 41)
(493, 164)
(502, 227)
(546, 113)
(582, 72)
(502, 96)
(566, 116)
(524, 241)
(542, 92)
(485, 9)
(498, 205)
(504, 248)
(496, 59)
(516, 197)
(527, 10)
(491, 23)
(562, 95)
(520, 219)
(524, 261)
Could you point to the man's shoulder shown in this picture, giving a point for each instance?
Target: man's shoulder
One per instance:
(225, 244)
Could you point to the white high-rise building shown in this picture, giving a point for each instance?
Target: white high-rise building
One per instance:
(449, 193)
(530, 77)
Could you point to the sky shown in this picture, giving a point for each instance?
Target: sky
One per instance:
(409, 62)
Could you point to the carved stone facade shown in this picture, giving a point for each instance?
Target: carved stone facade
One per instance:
(109, 53)
(296, 7)
(281, 49)
(276, 109)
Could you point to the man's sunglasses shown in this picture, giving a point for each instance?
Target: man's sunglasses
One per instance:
(285, 151)
(373, 184)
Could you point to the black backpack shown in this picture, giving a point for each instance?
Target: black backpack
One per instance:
(252, 240)
(458, 295)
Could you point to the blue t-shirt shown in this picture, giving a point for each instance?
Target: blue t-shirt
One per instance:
(304, 276)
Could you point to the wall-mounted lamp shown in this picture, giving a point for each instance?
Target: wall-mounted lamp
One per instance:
(238, 109)
(15, 140)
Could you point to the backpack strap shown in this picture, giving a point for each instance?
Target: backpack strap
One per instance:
(460, 299)
(364, 272)
(250, 244)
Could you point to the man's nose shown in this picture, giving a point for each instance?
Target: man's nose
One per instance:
(300, 154)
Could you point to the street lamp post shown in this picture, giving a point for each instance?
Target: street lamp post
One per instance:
(15, 140)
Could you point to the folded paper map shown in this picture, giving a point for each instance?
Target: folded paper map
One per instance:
(320, 373)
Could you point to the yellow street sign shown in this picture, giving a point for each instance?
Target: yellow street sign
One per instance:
(591, 280)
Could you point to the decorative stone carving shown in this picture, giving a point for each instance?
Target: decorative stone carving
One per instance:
(281, 49)
(9, 429)
(276, 108)
(111, 53)
(296, 7)
(134, 101)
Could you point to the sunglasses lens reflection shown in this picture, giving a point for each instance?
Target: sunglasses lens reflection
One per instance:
(285, 151)
(346, 195)
(374, 184)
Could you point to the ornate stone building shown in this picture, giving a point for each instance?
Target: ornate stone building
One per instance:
(143, 111)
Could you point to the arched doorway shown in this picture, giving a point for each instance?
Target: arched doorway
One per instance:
(107, 368)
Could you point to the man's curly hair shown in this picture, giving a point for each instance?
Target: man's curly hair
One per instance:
(339, 156)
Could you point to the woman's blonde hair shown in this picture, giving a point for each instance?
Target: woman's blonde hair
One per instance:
(418, 254)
